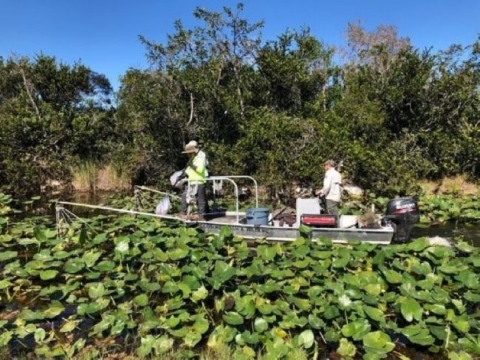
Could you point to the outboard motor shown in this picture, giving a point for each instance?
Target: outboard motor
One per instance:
(404, 214)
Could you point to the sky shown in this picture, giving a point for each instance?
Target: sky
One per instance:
(103, 34)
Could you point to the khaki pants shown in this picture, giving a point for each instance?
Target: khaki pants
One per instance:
(332, 207)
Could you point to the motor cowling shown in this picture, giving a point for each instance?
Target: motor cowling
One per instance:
(404, 213)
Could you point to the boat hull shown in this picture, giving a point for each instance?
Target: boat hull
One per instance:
(382, 236)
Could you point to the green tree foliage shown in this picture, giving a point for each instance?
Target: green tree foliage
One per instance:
(50, 113)
(274, 109)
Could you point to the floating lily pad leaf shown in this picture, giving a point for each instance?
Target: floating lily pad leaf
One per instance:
(48, 290)
(465, 247)
(105, 266)
(91, 257)
(374, 313)
(123, 246)
(302, 264)
(92, 308)
(175, 303)
(221, 273)
(23, 331)
(346, 349)
(170, 287)
(185, 289)
(99, 238)
(469, 279)
(141, 300)
(411, 309)
(378, 343)
(438, 309)
(302, 304)
(54, 309)
(7, 255)
(28, 241)
(301, 251)
(178, 254)
(132, 277)
(146, 346)
(269, 287)
(475, 298)
(221, 335)
(69, 325)
(452, 267)
(461, 324)
(48, 274)
(306, 339)
(39, 234)
(233, 318)
(418, 244)
(418, 335)
(59, 255)
(331, 312)
(305, 231)
(73, 266)
(39, 335)
(192, 338)
(392, 276)
(341, 262)
(471, 343)
(261, 325)
(356, 330)
(96, 290)
(373, 289)
(4, 284)
(332, 335)
(43, 256)
(266, 253)
(438, 331)
(315, 322)
(200, 294)
(29, 315)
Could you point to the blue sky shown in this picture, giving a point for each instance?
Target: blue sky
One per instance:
(103, 34)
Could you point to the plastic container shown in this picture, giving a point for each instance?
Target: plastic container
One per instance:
(257, 216)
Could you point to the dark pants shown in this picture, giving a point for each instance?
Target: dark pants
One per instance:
(201, 200)
(332, 207)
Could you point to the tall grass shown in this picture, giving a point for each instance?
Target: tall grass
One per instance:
(89, 176)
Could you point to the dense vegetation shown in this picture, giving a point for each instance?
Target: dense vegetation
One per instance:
(126, 285)
(274, 109)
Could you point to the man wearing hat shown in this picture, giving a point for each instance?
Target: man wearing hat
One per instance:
(331, 187)
(196, 173)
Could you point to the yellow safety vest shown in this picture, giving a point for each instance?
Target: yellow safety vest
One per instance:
(198, 175)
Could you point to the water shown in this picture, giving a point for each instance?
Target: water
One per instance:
(469, 233)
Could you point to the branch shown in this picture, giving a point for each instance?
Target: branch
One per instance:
(191, 110)
(25, 83)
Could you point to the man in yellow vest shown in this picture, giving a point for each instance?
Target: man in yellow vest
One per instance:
(196, 172)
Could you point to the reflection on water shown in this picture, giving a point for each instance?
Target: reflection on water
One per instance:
(469, 233)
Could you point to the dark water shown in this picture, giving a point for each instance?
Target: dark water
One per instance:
(467, 233)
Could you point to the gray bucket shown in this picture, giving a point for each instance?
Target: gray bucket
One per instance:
(258, 216)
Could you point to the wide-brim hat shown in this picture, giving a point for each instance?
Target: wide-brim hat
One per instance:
(191, 147)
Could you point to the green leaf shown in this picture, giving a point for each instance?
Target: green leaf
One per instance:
(233, 318)
(261, 325)
(96, 290)
(306, 338)
(48, 274)
(346, 349)
(418, 335)
(378, 343)
(374, 313)
(7, 255)
(141, 300)
(411, 309)
(392, 276)
(54, 309)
